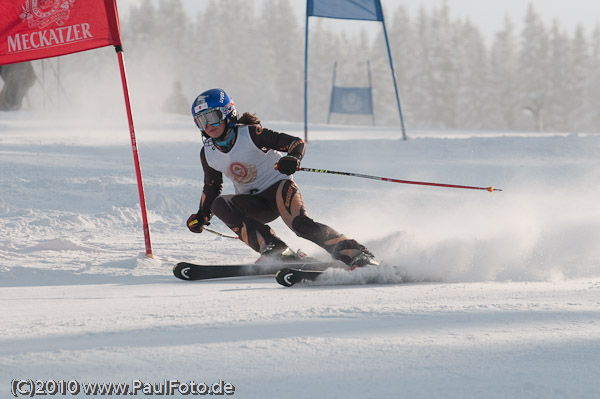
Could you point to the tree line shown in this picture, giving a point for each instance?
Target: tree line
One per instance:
(539, 78)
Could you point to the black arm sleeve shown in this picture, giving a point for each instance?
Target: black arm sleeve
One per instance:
(213, 185)
(270, 139)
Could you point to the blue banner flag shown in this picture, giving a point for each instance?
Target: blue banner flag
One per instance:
(367, 10)
(351, 100)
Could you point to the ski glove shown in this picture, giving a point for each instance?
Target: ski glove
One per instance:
(288, 165)
(197, 221)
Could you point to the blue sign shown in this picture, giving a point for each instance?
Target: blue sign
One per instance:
(351, 100)
(366, 10)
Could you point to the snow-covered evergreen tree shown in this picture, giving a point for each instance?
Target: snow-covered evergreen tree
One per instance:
(533, 70)
(503, 80)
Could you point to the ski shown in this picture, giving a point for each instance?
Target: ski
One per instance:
(191, 271)
(290, 276)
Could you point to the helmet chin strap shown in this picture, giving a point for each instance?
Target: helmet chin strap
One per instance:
(223, 142)
(224, 135)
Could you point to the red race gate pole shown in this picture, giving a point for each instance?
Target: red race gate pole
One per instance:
(136, 158)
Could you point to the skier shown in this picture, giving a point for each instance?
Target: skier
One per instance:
(250, 156)
(18, 79)
(176, 103)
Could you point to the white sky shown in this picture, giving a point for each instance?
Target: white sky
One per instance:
(488, 15)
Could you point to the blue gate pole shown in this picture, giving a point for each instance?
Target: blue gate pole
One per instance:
(332, 91)
(387, 43)
(371, 93)
(306, 77)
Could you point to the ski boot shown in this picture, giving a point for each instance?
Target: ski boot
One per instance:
(364, 258)
(277, 251)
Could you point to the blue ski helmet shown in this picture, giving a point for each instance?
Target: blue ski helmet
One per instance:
(214, 99)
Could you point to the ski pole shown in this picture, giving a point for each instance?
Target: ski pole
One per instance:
(220, 234)
(214, 231)
(490, 189)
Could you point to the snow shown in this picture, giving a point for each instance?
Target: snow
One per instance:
(494, 295)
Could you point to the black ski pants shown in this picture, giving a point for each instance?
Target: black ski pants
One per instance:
(247, 215)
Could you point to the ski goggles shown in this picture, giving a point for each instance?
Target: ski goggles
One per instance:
(211, 116)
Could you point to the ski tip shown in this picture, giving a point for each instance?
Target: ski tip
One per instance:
(180, 270)
(285, 277)
(288, 276)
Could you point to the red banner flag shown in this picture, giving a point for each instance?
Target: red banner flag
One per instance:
(35, 29)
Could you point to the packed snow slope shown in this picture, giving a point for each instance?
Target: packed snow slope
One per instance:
(493, 295)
